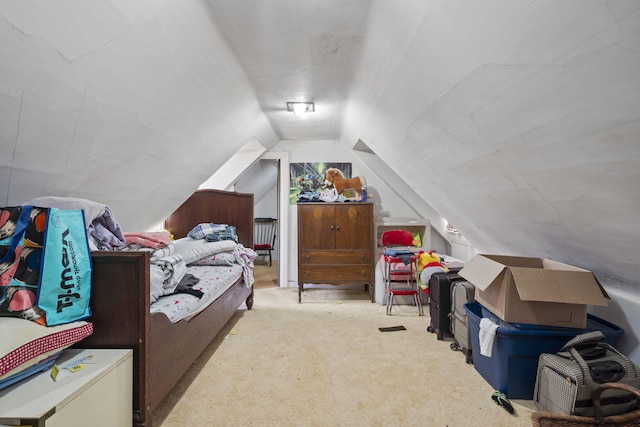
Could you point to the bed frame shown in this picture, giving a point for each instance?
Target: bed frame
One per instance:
(162, 351)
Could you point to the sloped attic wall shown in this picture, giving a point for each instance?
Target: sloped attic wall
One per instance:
(260, 180)
(132, 104)
(520, 119)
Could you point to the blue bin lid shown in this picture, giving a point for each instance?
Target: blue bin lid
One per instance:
(594, 323)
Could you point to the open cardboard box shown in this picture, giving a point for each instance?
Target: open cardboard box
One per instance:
(534, 290)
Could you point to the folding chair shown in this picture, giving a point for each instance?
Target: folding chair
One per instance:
(264, 236)
(400, 267)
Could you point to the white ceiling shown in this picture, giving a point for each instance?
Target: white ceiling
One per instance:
(296, 50)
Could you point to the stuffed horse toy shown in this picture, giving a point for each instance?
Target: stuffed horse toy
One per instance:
(335, 177)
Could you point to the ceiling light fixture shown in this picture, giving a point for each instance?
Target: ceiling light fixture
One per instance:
(300, 108)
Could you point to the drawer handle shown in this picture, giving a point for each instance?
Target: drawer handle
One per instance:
(308, 257)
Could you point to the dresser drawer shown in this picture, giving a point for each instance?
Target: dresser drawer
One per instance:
(335, 257)
(356, 273)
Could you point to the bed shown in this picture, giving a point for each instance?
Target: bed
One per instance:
(120, 303)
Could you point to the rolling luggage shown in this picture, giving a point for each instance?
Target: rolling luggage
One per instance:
(566, 381)
(440, 302)
(462, 292)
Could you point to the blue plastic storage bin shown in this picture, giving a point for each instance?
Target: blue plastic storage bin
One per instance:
(513, 364)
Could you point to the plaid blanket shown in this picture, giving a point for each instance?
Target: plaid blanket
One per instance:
(214, 232)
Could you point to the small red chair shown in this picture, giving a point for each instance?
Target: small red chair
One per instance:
(401, 267)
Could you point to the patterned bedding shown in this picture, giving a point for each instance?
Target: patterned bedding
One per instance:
(188, 274)
(213, 281)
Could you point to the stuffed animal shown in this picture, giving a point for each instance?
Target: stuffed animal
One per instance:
(336, 178)
(429, 263)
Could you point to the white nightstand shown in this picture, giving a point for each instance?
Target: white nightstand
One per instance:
(98, 395)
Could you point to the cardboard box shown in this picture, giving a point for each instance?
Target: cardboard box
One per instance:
(534, 290)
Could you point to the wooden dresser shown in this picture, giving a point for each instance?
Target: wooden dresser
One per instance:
(335, 244)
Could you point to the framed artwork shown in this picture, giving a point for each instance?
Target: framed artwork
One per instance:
(310, 177)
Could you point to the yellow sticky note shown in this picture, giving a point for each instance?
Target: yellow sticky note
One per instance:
(54, 372)
(76, 368)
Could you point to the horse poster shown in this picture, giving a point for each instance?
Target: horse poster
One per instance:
(310, 177)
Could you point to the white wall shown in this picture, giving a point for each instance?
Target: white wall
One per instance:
(524, 124)
(267, 206)
(387, 201)
(623, 311)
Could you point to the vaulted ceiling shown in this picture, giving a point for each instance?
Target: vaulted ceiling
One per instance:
(297, 51)
(517, 120)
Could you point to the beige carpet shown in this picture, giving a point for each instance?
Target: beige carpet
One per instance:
(325, 363)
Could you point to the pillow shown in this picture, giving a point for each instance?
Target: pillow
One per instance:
(193, 250)
(223, 258)
(25, 343)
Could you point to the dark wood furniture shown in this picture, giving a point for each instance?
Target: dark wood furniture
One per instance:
(335, 244)
(163, 351)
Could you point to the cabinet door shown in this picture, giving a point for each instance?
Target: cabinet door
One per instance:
(316, 226)
(353, 227)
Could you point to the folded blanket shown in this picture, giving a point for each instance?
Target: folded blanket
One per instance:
(156, 254)
(174, 268)
(156, 282)
(103, 230)
(149, 239)
(214, 232)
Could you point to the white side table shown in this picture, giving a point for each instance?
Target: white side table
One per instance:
(99, 395)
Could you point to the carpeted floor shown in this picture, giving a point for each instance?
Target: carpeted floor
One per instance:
(265, 276)
(325, 363)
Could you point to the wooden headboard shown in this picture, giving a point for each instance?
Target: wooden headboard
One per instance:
(214, 206)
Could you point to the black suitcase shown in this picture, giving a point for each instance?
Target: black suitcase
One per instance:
(440, 302)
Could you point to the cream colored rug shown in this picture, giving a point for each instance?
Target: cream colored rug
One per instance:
(325, 363)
